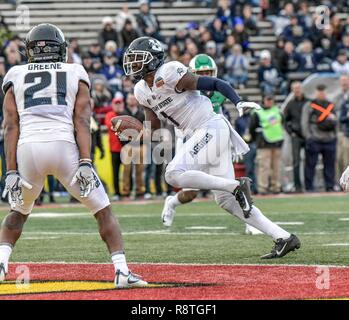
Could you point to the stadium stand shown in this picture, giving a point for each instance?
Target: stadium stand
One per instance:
(85, 27)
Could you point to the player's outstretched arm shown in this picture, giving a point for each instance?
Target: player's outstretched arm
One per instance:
(82, 118)
(192, 82)
(11, 130)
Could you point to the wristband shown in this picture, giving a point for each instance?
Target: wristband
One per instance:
(85, 160)
(11, 172)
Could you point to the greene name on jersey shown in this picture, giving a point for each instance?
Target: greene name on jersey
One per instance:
(45, 96)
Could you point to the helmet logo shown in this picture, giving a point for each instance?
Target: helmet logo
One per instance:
(155, 45)
(180, 71)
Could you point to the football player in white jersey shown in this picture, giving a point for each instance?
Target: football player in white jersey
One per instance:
(202, 65)
(47, 115)
(169, 91)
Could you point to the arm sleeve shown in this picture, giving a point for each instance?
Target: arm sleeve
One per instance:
(82, 75)
(9, 79)
(215, 84)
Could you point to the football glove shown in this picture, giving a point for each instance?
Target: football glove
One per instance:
(344, 180)
(246, 105)
(13, 187)
(86, 179)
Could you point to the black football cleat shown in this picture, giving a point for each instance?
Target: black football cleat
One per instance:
(243, 196)
(283, 247)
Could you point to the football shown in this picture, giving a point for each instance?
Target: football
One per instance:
(121, 123)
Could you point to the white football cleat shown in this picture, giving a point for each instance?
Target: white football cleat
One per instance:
(2, 272)
(252, 230)
(129, 280)
(168, 212)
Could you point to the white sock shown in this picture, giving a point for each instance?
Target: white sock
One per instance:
(258, 220)
(174, 201)
(5, 253)
(119, 261)
(194, 179)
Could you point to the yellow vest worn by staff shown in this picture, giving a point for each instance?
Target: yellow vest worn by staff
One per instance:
(270, 120)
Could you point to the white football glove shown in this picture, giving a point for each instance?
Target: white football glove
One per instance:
(86, 178)
(246, 105)
(344, 180)
(13, 186)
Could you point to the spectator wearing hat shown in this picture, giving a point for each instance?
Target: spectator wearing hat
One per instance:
(269, 76)
(115, 145)
(148, 22)
(319, 124)
(108, 32)
(240, 34)
(341, 65)
(293, 125)
(267, 132)
(112, 71)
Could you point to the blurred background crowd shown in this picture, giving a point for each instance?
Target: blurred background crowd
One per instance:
(307, 42)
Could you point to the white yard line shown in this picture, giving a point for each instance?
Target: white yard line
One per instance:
(340, 244)
(205, 228)
(289, 223)
(59, 215)
(38, 238)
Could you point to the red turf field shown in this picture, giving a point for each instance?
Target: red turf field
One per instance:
(184, 282)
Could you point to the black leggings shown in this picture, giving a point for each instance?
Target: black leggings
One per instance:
(116, 162)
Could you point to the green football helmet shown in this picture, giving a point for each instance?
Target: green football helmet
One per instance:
(202, 64)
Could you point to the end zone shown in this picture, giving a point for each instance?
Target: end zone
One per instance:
(60, 281)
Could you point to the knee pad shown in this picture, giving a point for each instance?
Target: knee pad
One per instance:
(228, 202)
(172, 177)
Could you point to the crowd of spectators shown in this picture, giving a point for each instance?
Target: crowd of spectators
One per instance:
(302, 47)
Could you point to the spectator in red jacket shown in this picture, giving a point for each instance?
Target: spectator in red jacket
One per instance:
(114, 143)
